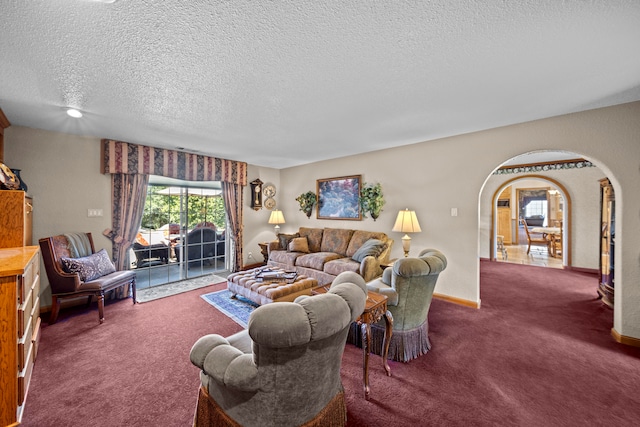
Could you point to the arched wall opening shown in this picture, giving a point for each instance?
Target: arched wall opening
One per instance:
(566, 214)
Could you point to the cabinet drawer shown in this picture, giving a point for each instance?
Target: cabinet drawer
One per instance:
(21, 291)
(35, 311)
(35, 338)
(31, 330)
(25, 281)
(24, 344)
(35, 294)
(24, 377)
(24, 313)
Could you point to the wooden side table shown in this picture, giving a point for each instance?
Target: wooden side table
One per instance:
(264, 251)
(389, 263)
(374, 310)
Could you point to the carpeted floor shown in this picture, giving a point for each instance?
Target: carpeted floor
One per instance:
(538, 353)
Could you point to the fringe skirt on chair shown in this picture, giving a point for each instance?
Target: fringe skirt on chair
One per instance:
(405, 345)
(210, 414)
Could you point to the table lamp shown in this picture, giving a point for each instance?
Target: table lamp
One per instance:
(406, 222)
(276, 218)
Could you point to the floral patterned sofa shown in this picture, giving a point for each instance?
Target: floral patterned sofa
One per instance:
(323, 253)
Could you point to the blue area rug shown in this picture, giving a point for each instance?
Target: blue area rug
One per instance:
(238, 308)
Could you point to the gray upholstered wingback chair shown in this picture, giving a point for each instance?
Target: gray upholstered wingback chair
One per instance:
(409, 284)
(284, 369)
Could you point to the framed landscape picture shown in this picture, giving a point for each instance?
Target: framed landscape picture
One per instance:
(338, 198)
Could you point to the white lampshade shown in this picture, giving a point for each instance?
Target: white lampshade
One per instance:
(276, 218)
(407, 222)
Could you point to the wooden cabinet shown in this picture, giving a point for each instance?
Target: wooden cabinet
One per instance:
(16, 219)
(504, 216)
(607, 242)
(19, 327)
(504, 224)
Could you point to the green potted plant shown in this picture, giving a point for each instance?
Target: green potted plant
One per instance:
(371, 200)
(306, 201)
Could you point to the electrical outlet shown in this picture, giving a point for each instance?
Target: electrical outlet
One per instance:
(250, 256)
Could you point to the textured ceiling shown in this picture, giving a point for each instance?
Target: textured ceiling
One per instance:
(282, 83)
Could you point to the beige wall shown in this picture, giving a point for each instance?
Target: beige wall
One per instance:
(431, 177)
(63, 175)
(256, 226)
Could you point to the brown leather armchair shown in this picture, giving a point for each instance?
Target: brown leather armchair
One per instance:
(69, 285)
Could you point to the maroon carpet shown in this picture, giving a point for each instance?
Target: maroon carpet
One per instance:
(538, 353)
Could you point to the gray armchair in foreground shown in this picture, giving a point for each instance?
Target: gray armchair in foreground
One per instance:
(409, 285)
(284, 369)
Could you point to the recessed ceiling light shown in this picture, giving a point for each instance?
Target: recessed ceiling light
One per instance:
(74, 113)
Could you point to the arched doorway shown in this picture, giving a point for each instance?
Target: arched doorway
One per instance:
(513, 220)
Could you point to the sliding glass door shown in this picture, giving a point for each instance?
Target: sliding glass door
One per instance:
(182, 235)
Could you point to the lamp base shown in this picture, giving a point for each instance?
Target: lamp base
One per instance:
(406, 244)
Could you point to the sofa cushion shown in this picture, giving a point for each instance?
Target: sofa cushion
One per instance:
(316, 260)
(299, 244)
(336, 240)
(284, 257)
(360, 237)
(284, 239)
(90, 267)
(372, 247)
(339, 265)
(314, 237)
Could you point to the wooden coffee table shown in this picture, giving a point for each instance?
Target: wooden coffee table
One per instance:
(374, 310)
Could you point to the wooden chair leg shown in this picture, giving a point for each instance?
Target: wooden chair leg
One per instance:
(55, 309)
(101, 307)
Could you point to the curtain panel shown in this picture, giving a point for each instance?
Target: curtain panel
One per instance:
(233, 196)
(123, 157)
(128, 194)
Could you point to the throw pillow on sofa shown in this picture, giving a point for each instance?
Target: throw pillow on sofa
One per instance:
(299, 244)
(90, 267)
(285, 239)
(372, 247)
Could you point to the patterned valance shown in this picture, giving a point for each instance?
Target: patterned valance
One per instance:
(123, 157)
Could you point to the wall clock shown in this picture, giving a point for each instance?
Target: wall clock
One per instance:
(256, 194)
